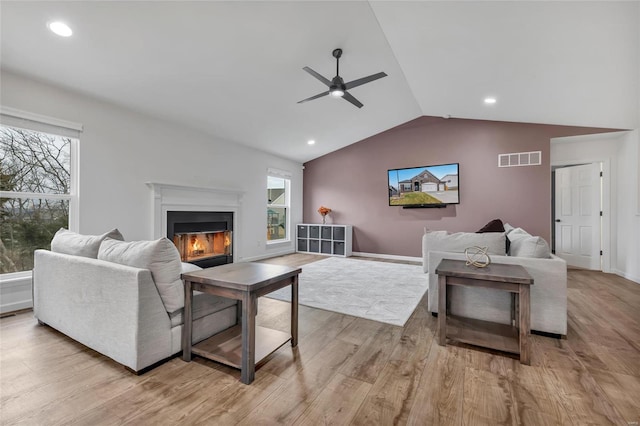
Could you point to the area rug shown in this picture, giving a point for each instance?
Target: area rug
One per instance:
(380, 291)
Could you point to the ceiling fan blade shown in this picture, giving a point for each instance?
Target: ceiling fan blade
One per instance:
(363, 80)
(349, 98)
(319, 95)
(318, 76)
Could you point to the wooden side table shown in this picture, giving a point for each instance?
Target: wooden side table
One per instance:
(508, 338)
(241, 346)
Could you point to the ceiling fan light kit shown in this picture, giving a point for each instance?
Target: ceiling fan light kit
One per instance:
(337, 87)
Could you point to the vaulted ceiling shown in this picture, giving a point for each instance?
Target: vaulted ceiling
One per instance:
(233, 70)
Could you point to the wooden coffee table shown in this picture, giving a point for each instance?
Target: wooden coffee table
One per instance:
(508, 338)
(244, 345)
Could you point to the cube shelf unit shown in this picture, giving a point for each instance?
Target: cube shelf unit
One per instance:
(334, 240)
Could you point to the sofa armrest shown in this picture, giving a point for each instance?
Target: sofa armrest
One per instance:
(548, 293)
(111, 308)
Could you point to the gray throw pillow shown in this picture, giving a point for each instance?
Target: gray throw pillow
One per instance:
(69, 242)
(160, 257)
(516, 233)
(523, 244)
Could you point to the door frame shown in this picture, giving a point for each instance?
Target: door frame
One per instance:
(605, 230)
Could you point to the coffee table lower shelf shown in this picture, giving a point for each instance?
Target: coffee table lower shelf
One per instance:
(226, 346)
(488, 334)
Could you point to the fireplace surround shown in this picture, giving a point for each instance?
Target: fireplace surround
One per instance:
(205, 210)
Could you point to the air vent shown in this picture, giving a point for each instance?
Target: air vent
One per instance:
(516, 159)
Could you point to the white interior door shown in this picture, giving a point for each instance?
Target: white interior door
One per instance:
(577, 213)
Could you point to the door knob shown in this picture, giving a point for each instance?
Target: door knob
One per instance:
(557, 220)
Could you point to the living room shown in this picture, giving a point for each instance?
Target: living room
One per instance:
(223, 122)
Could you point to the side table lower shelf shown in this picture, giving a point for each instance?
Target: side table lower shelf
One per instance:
(488, 334)
(226, 346)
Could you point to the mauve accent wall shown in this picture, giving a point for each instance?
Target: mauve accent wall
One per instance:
(353, 181)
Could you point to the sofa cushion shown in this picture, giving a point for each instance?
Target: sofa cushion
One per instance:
(522, 244)
(160, 257)
(425, 245)
(69, 242)
(458, 242)
(494, 226)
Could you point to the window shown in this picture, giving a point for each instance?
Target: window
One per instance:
(278, 184)
(36, 191)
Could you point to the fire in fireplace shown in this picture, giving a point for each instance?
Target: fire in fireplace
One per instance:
(195, 246)
(202, 238)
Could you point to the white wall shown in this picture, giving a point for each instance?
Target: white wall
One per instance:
(628, 214)
(120, 150)
(620, 151)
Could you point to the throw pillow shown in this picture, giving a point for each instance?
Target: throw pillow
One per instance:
(508, 228)
(161, 257)
(69, 242)
(530, 247)
(516, 233)
(494, 226)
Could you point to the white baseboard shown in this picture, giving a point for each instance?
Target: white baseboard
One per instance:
(388, 256)
(15, 294)
(268, 255)
(627, 276)
(16, 306)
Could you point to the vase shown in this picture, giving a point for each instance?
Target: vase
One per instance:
(324, 219)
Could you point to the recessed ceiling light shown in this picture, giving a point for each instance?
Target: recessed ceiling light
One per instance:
(60, 28)
(489, 100)
(311, 142)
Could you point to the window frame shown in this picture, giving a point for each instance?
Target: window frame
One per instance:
(17, 119)
(286, 177)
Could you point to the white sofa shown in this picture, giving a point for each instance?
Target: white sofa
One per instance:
(118, 309)
(548, 293)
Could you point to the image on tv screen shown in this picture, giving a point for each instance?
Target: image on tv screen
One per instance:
(424, 185)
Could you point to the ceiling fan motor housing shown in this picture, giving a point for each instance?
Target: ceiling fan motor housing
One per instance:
(338, 83)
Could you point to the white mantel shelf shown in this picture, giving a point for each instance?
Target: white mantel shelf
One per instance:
(172, 197)
(158, 187)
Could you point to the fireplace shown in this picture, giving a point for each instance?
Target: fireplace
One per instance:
(202, 238)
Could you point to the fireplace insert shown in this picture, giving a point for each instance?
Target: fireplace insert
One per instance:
(202, 238)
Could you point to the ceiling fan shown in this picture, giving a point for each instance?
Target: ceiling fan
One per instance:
(337, 87)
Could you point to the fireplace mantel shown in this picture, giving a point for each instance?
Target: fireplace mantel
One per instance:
(169, 197)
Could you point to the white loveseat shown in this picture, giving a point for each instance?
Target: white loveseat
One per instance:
(548, 293)
(128, 312)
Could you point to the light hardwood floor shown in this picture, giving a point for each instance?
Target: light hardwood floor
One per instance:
(346, 370)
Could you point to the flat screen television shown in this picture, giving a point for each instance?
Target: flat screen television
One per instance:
(426, 186)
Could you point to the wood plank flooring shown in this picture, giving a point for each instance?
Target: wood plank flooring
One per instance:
(346, 370)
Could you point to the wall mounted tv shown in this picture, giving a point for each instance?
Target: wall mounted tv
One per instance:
(426, 186)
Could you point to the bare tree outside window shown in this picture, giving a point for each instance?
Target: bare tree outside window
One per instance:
(35, 180)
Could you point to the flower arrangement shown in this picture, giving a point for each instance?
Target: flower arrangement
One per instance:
(324, 211)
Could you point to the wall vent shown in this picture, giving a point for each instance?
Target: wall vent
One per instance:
(516, 159)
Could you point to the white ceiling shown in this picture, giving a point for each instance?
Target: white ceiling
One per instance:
(234, 69)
